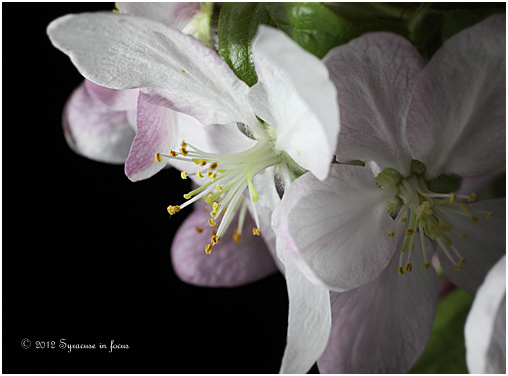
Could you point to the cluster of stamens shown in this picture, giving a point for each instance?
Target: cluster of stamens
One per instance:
(228, 175)
(423, 210)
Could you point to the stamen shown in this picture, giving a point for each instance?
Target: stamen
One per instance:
(173, 209)
(409, 267)
(474, 218)
(199, 230)
(256, 231)
(400, 270)
(199, 174)
(465, 208)
(183, 175)
(215, 239)
(184, 152)
(173, 153)
(471, 197)
(213, 166)
(158, 157)
(237, 237)
(208, 248)
(211, 222)
(489, 215)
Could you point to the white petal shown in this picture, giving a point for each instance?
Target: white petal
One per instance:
(457, 118)
(375, 76)
(309, 319)
(488, 307)
(383, 326)
(175, 14)
(125, 52)
(337, 229)
(295, 96)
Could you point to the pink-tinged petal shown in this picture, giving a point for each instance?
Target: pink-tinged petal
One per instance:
(309, 319)
(485, 330)
(176, 15)
(383, 326)
(337, 229)
(157, 133)
(118, 100)
(483, 247)
(229, 264)
(126, 52)
(457, 118)
(375, 76)
(295, 96)
(94, 130)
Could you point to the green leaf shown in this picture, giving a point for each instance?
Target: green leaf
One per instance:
(460, 19)
(446, 351)
(238, 24)
(313, 26)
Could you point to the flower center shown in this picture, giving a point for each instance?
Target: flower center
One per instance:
(228, 175)
(424, 212)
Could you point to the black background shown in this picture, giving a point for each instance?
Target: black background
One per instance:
(86, 252)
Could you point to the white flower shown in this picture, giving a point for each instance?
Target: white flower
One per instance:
(485, 330)
(288, 121)
(356, 232)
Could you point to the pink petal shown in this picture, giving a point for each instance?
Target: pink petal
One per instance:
(375, 76)
(457, 118)
(229, 264)
(485, 244)
(118, 100)
(94, 130)
(383, 326)
(157, 132)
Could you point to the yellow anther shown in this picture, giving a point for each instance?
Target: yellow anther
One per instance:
(202, 163)
(173, 153)
(391, 234)
(214, 165)
(409, 232)
(400, 270)
(187, 196)
(256, 231)
(184, 152)
(199, 229)
(474, 218)
(465, 208)
(472, 197)
(462, 261)
(199, 174)
(214, 232)
(211, 222)
(218, 188)
(173, 209)
(210, 174)
(158, 157)
(183, 175)
(433, 231)
(237, 237)
(183, 144)
(208, 249)
(214, 213)
(216, 206)
(444, 226)
(403, 219)
(463, 237)
(457, 267)
(215, 239)
(453, 197)
(409, 267)
(489, 215)
(426, 265)
(214, 175)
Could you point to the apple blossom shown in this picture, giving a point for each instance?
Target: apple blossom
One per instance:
(369, 237)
